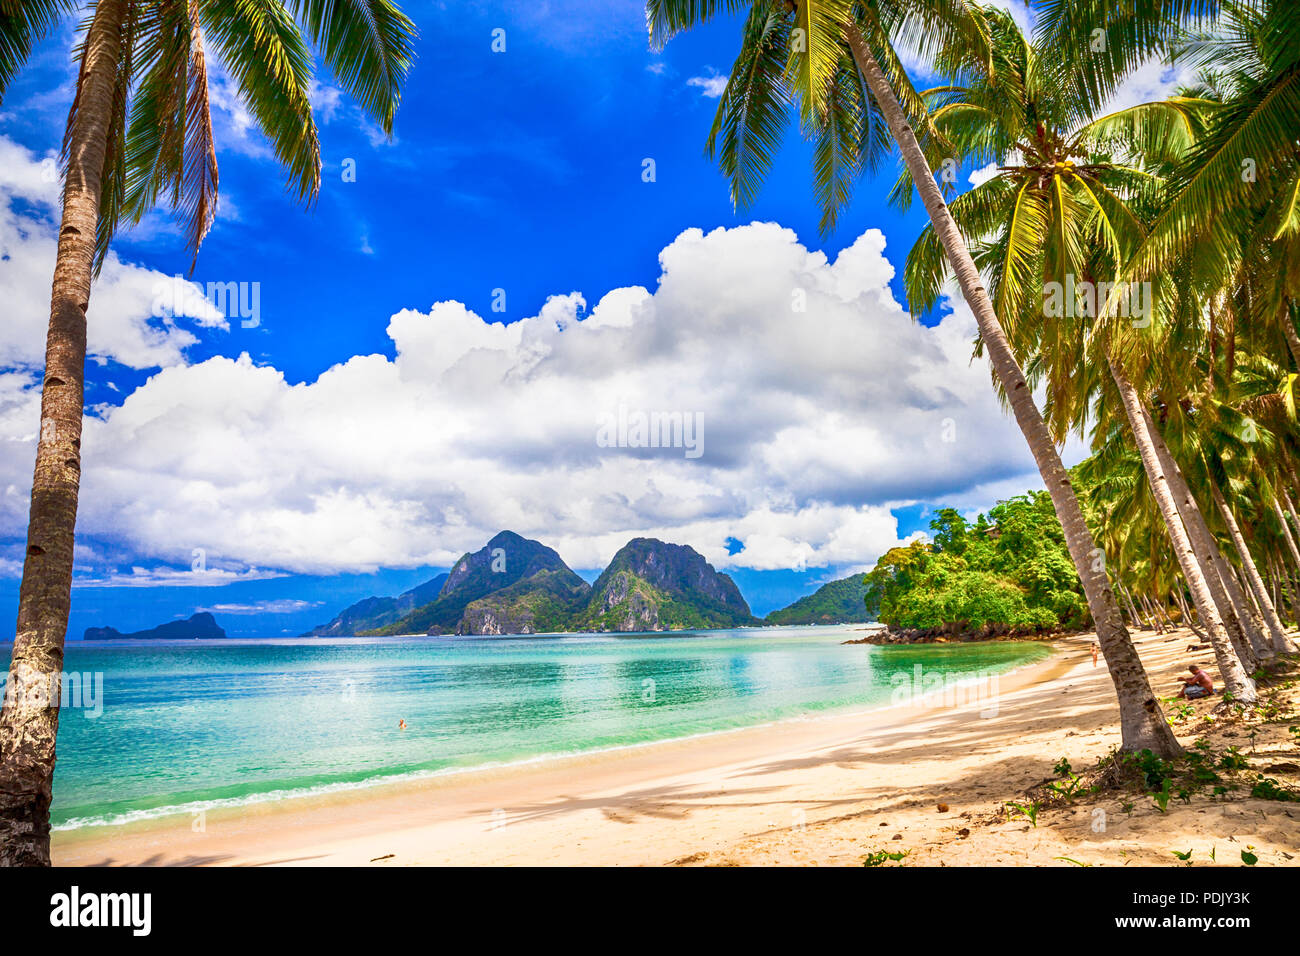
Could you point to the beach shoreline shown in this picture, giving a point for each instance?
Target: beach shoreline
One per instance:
(821, 790)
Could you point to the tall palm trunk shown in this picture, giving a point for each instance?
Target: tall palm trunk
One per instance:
(1164, 614)
(1277, 568)
(1286, 533)
(29, 721)
(1290, 505)
(1152, 614)
(1142, 723)
(1248, 642)
(1125, 604)
(1234, 676)
(1256, 583)
(1187, 614)
(1134, 614)
(1256, 613)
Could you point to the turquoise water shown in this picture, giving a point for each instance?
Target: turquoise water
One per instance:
(209, 723)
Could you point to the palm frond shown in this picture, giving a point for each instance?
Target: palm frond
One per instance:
(751, 115)
(369, 46)
(23, 23)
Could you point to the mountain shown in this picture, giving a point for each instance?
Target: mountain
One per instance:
(376, 612)
(540, 604)
(654, 586)
(201, 626)
(508, 559)
(839, 602)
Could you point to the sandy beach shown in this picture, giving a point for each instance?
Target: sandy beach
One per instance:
(932, 781)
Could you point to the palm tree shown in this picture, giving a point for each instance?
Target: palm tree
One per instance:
(1061, 210)
(1243, 176)
(836, 60)
(138, 128)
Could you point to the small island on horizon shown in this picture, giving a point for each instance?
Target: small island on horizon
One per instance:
(200, 626)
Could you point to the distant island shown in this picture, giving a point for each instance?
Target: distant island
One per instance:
(515, 585)
(201, 626)
(838, 602)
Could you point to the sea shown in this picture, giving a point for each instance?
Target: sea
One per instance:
(150, 729)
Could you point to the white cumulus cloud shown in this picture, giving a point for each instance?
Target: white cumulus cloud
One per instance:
(711, 86)
(820, 406)
(121, 323)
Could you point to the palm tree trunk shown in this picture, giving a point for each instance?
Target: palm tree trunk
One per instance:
(1149, 606)
(1187, 614)
(1142, 723)
(29, 720)
(1277, 597)
(1164, 615)
(1134, 615)
(1271, 619)
(1253, 609)
(1286, 533)
(1126, 604)
(1277, 570)
(1290, 505)
(1292, 340)
(1234, 676)
(1248, 641)
(1252, 606)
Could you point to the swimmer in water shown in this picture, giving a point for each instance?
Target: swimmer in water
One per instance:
(401, 724)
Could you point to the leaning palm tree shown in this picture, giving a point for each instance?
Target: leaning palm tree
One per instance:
(836, 60)
(1060, 213)
(139, 129)
(1243, 177)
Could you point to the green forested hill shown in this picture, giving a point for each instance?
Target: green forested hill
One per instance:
(838, 602)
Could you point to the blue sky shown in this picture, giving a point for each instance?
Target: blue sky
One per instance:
(518, 171)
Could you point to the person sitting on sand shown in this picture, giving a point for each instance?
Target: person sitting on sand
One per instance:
(1198, 685)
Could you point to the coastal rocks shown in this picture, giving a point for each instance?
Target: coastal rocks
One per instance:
(484, 621)
(951, 635)
(620, 605)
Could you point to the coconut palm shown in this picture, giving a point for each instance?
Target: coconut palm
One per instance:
(1060, 214)
(1243, 176)
(138, 131)
(835, 60)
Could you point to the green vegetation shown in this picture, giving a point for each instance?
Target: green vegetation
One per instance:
(1007, 573)
(838, 602)
(1029, 811)
(542, 603)
(881, 857)
(650, 585)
